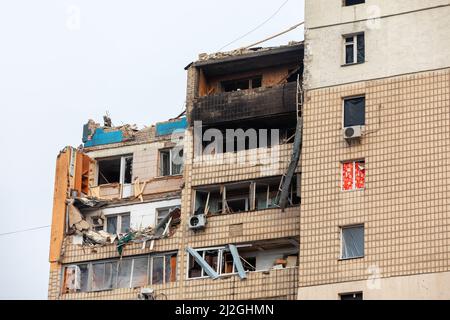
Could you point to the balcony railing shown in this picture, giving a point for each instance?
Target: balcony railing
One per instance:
(245, 104)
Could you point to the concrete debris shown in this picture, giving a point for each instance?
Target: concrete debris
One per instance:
(239, 52)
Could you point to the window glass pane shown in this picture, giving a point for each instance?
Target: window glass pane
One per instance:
(177, 161)
(84, 282)
(361, 48)
(140, 272)
(158, 270)
(352, 242)
(125, 223)
(360, 174)
(111, 225)
(349, 54)
(354, 112)
(110, 275)
(165, 163)
(347, 176)
(98, 276)
(353, 2)
(124, 274)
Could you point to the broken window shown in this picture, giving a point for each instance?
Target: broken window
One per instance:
(353, 2)
(353, 175)
(354, 46)
(241, 84)
(352, 241)
(171, 162)
(123, 273)
(262, 255)
(161, 214)
(157, 270)
(244, 196)
(118, 224)
(354, 111)
(115, 170)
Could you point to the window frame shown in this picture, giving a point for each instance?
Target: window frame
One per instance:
(341, 231)
(354, 175)
(219, 270)
(119, 222)
(123, 159)
(344, 99)
(171, 164)
(90, 275)
(355, 43)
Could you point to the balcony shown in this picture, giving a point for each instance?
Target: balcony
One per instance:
(245, 104)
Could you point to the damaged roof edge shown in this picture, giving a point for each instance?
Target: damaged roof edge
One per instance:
(243, 54)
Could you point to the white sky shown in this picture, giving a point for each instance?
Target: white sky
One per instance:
(127, 57)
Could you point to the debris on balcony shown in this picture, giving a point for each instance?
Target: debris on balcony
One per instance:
(92, 232)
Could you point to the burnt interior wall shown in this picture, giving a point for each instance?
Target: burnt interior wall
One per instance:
(245, 104)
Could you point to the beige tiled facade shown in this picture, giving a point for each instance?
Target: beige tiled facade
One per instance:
(404, 206)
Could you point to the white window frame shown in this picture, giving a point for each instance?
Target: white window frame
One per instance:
(158, 210)
(354, 175)
(342, 228)
(219, 262)
(119, 221)
(355, 47)
(123, 164)
(170, 151)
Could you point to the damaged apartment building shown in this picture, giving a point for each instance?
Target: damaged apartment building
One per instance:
(181, 210)
(314, 170)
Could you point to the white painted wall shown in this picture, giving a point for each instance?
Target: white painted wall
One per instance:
(142, 215)
(395, 45)
(416, 287)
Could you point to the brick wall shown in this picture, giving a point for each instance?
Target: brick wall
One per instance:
(404, 205)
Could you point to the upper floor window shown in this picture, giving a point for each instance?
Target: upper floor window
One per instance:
(352, 242)
(241, 84)
(171, 162)
(118, 224)
(353, 2)
(353, 175)
(115, 170)
(354, 111)
(354, 49)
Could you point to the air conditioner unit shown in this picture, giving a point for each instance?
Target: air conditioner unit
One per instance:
(197, 222)
(353, 132)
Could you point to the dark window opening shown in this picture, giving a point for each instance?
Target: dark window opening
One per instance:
(248, 135)
(109, 171)
(353, 2)
(352, 296)
(294, 74)
(128, 170)
(241, 84)
(243, 197)
(355, 49)
(354, 112)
